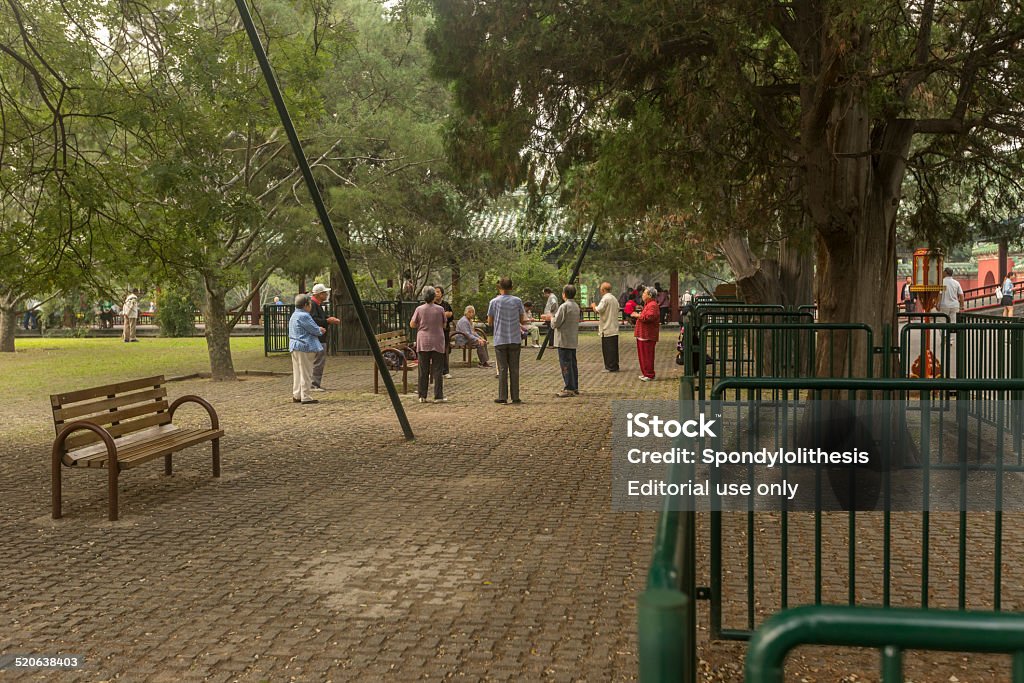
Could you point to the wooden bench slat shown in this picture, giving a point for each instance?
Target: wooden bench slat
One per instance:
(62, 414)
(83, 438)
(121, 414)
(57, 400)
(144, 451)
(71, 456)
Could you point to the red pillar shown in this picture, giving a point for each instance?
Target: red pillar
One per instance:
(673, 292)
(1003, 265)
(254, 305)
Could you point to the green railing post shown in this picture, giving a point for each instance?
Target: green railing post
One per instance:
(662, 631)
(666, 614)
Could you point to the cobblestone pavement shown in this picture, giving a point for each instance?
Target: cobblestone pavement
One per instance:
(333, 550)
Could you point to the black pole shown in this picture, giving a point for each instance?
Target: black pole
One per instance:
(550, 337)
(321, 210)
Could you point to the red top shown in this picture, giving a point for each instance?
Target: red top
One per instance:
(648, 325)
(630, 307)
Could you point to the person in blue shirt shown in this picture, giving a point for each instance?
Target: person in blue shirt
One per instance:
(1007, 300)
(303, 344)
(506, 314)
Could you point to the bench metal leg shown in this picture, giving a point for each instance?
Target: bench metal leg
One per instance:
(216, 457)
(113, 469)
(376, 377)
(168, 469)
(405, 381)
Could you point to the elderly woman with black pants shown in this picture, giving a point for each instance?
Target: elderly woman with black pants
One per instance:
(429, 322)
(648, 327)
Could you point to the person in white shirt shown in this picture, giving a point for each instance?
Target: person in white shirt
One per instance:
(530, 328)
(952, 297)
(1007, 301)
(130, 311)
(608, 327)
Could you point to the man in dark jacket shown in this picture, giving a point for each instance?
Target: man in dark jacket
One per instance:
(448, 314)
(320, 317)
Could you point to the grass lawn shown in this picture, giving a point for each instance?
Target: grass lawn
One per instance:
(43, 366)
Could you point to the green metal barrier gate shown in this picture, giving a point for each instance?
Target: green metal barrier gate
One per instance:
(667, 610)
(889, 630)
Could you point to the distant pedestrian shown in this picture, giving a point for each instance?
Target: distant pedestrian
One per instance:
(662, 299)
(428, 320)
(106, 315)
(646, 332)
(448, 315)
(550, 303)
(907, 297)
(277, 301)
(1007, 301)
(623, 298)
(952, 297)
(130, 311)
(320, 317)
(303, 345)
(608, 327)
(31, 319)
(566, 324)
(506, 315)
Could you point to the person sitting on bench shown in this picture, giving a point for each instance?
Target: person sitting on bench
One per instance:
(465, 335)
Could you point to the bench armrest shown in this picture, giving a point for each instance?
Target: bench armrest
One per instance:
(81, 425)
(214, 421)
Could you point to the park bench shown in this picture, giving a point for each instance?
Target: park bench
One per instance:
(120, 426)
(393, 346)
(467, 350)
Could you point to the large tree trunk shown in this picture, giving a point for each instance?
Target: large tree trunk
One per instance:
(786, 280)
(852, 185)
(218, 332)
(756, 286)
(8, 323)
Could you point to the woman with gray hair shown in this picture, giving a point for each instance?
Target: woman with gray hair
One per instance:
(428, 320)
(466, 335)
(647, 330)
(303, 344)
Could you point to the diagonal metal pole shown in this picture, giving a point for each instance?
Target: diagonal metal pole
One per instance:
(321, 210)
(550, 337)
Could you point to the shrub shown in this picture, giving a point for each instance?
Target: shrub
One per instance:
(175, 313)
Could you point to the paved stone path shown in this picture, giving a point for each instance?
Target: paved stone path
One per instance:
(333, 550)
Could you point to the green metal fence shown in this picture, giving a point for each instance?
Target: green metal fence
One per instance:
(892, 631)
(668, 606)
(756, 349)
(348, 337)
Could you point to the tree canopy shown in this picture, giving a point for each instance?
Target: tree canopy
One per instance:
(767, 120)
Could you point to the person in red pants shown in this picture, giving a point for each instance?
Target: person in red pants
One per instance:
(648, 326)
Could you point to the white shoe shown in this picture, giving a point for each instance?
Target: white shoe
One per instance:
(423, 400)
(536, 346)
(448, 376)
(318, 389)
(645, 379)
(440, 400)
